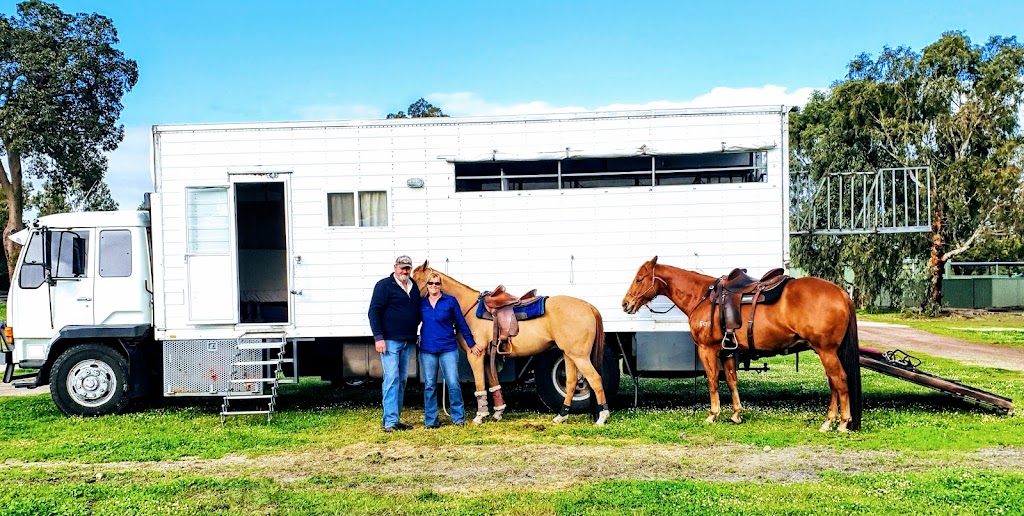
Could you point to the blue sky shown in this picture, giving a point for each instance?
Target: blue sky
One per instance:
(240, 61)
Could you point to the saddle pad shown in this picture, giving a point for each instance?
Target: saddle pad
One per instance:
(768, 296)
(523, 313)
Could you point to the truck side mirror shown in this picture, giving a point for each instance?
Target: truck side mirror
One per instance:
(78, 256)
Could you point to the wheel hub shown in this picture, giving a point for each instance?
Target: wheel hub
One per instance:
(91, 383)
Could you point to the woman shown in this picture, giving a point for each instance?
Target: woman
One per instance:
(441, 318)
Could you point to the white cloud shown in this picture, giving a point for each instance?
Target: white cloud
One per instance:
(128, 173)
(471, 104)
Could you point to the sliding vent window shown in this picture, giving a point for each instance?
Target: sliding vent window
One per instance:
(208, 226)
(370, 211)
(612, 172)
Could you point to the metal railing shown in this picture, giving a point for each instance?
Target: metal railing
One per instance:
(889, 200)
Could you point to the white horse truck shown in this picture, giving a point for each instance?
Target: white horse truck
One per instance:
(255, 260)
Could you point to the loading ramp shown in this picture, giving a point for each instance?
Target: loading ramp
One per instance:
(905, 367)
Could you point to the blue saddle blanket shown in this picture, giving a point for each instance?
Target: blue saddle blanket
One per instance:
(523, 313)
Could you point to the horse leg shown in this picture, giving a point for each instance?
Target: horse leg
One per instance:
(495, 390)
(477, 364)
(838, 394)
(730, 378)
(596, 387)
(709, 358)
(570, 389)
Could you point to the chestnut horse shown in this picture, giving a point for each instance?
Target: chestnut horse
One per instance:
(573, 325)
(810, 311)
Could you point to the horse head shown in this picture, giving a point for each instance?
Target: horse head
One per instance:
(644, 287)
(419, 275)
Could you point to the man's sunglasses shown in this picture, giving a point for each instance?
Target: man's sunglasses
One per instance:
(433, 283)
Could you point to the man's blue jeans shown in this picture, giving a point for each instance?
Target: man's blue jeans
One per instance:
(396, 371)
(449, 362)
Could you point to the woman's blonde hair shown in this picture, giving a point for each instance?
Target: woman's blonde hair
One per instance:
(432, 275)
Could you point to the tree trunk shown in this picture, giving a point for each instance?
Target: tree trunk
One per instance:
(936, 263)
(15, 194)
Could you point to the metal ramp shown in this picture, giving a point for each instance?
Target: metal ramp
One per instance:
(889, 200)
(254, 384)
(903, 366)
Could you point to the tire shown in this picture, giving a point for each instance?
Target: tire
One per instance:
(90, 380)
(549, 377)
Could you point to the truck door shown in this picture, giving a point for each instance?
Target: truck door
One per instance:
(209, 257)
(53, 292)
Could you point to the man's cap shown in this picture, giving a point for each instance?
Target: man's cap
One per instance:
(403, 261)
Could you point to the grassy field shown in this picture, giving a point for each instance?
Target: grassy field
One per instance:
(919, 452)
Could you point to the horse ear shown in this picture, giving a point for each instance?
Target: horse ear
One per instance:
(426, 264)
(654, 261)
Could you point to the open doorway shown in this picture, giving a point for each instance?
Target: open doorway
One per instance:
(262, 253)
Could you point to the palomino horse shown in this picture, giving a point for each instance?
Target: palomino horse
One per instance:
(810, 311)
(572, 324)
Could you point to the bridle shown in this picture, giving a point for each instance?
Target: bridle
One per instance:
(654, 277)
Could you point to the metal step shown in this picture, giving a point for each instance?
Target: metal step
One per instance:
(254, 380)
(258, 362)
(262, 345)
(244, 412)
(246, 396)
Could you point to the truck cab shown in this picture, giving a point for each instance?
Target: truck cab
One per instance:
(80, 309)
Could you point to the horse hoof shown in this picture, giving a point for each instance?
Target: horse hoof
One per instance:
(558, 419)
(825, 428)
(710, 419)
(497, 416)
(736, 419)
(602, 418)
(478, 420)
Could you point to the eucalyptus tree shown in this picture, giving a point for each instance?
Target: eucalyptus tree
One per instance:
(61, 84)
(419, 109)
(952, 107)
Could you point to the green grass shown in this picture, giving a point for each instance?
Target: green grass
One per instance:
(964, 325)
(945, 491)
(783, 408)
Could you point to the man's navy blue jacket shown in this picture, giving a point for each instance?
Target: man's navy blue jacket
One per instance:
(394, 315)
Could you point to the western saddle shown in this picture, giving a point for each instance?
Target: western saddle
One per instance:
(731, 291)
(501, 305)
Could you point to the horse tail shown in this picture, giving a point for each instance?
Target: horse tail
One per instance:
(849, 357)
(597, 351)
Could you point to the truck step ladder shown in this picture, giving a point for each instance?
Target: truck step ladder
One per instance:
(253, 385)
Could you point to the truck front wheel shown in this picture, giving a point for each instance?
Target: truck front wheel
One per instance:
(549, 377)
(90, 380)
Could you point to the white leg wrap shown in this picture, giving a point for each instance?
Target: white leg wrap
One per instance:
(559, 419)
(495, 388)
(479, 393)
(602, 418)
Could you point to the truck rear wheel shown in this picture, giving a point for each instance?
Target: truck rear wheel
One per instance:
(90, 380)
(549, 377)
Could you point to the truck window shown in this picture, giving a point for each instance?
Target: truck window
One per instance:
(115, 253)
(62, 252)
(61, 255)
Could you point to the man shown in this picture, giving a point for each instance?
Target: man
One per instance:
(394, 320)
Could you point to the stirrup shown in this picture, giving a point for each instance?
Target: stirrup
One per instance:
(729, 341)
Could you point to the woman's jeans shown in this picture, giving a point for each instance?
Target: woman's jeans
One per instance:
(449, 362)
(396, 371)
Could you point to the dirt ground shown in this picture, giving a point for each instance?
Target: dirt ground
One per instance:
(474, 469)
